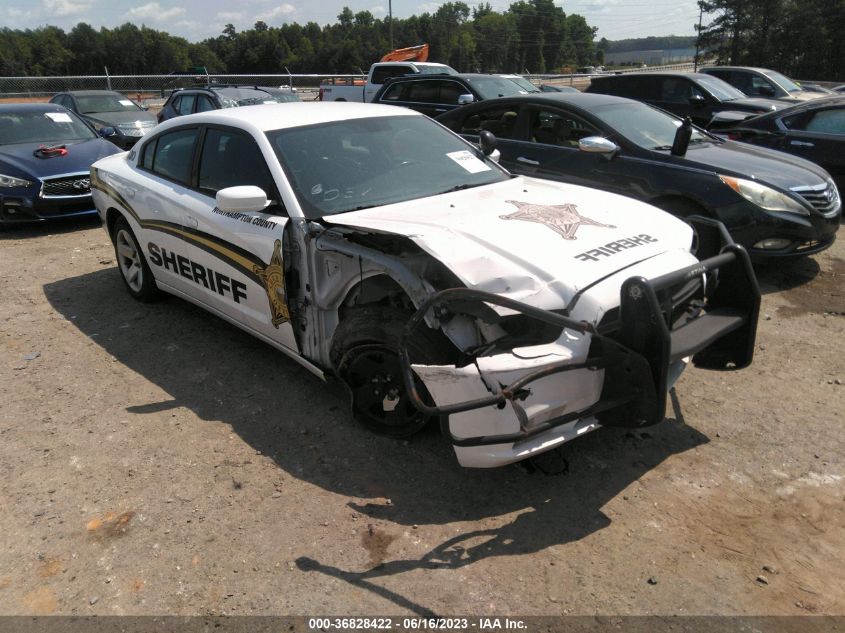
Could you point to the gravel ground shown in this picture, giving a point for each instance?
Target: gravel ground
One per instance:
(155, 460)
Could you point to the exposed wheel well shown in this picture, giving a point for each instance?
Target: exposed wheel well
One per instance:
(111, 217)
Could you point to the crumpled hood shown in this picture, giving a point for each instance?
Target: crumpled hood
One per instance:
(531, 240)
(80, 155)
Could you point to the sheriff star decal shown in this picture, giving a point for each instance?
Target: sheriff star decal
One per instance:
(563, 219)
(272, 276)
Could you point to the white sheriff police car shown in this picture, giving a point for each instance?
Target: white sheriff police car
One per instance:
(371, 243)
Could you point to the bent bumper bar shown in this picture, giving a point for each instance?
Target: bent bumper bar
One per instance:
(636, 359)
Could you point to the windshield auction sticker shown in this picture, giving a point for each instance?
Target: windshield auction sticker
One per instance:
(58, 117)
(465, 159)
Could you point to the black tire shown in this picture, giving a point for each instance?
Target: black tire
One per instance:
(707, 242)
(365, 356)
(131, 263)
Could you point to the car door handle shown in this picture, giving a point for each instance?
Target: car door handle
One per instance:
(802, 144)
(527, 161)
(191, 222)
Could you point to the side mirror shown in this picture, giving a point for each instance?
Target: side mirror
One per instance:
(597, 145)
(465, 99)
(487, 142)
(496, 156)
(242, 198)
(106, 132)
(697, 101)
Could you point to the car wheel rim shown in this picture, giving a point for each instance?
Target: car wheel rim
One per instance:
(129, 260)
(374, 375)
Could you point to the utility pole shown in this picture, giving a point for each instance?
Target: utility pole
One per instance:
(390, 13)
(698, 38)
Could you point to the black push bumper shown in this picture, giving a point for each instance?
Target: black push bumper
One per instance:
(718, 332)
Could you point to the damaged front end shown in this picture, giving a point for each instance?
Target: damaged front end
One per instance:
(505, 400)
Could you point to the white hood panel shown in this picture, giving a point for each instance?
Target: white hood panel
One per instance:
(531, 240)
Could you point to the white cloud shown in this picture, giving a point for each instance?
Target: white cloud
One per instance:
(378, 10)
(153, 11)
(230, 16)
(281, 10)
(61, 8)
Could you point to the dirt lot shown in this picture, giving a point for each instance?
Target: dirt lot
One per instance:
(155, 460)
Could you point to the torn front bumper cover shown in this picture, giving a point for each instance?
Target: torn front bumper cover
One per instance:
(636, 358)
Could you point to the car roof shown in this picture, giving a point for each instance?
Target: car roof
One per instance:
(583, 100)
(32, 107)
(657, 74)
(90, 93)
(279, 116)
(754, 68)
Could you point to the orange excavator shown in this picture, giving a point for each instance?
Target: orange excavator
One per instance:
(417, 53)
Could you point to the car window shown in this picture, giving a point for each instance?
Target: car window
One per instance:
(186, 105)
(422, 92)
(554, 127)
(381, 73)
(147, 155)
(676, 90)
(722, 90)
(173, 156)
(230, 159)
(393, 93)
(490, 87)
(501, 121)
(824, 122)
(204, 104)
(175, 103)
(450, 91)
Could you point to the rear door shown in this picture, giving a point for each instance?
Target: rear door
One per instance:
(818, 136)
(159, 202)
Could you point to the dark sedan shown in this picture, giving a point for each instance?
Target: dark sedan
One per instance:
(774, 204)
(45, 157)
(126, 120)
(707, 100)
(814, 130)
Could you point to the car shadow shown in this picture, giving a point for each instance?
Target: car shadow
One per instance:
(226, 376)
(777, 276)
(58, 226)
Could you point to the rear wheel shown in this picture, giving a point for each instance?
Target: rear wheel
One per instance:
(132, 264)
(365, 355)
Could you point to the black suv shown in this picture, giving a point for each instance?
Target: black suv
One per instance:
(708, 101)
(189, 100)
(435, 94)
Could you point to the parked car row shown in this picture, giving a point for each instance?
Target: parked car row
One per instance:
(46, 150)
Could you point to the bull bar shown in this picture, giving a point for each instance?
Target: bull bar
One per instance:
(636, 359)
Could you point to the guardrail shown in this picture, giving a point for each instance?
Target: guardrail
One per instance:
(148, 89)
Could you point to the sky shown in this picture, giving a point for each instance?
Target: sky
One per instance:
(199, 19)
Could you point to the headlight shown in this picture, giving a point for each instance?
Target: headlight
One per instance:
(763, 196)
(11, 181)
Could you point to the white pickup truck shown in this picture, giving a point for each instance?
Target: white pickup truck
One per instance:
(363, 91)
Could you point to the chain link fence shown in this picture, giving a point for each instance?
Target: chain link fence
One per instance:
(152, 90)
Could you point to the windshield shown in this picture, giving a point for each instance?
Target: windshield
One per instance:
(105, 103)
(42, 127)
(491, 87)
(523, 83)
(722, 90)
(646, 126)
(360, 163)
(235, 97)
(783, 82)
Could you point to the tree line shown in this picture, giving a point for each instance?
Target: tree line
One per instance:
(800, 38)
(531, 35)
